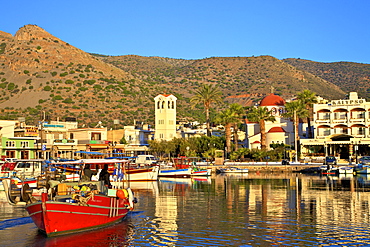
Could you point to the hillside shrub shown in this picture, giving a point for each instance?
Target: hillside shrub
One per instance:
(3, 85)
(2, 48)
(57, 97)
(26, 72)
(69, 82)
(68, 101)
(90, 82)
(11, 86)
(47, 88)
(63, 74)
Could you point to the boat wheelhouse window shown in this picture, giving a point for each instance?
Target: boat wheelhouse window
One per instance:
(24, 165)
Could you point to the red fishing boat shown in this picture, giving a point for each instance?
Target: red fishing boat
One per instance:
(80, 211)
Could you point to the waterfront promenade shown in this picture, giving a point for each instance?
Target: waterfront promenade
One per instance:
(271, 166)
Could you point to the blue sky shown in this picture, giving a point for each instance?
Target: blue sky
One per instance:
(318, 30)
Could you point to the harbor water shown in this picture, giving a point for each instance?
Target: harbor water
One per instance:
(257, 209)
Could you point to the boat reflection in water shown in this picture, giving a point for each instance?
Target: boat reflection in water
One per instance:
(115, 235)
(259, 209)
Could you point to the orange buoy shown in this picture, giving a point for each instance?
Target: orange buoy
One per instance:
(120, 194)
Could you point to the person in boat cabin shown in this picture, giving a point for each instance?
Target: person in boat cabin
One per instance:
(104, 176)
(87, 173)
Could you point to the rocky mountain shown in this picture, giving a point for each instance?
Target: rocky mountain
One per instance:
(39, 73)
(348, 76)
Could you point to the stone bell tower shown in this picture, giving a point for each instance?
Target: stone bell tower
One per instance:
(165, 117)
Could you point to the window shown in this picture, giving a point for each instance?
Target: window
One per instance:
(161, 121)
(24, 144)
(10, 154)
(95, 136)
(10, 144)
(170, 122)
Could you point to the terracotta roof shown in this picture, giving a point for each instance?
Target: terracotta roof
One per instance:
(166, 95)
(276, 129)
(272, 100)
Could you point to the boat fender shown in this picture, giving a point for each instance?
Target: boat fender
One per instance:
(130, 197)
(126, 193)
(122, 194)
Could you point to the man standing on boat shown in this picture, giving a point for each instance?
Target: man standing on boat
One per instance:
(104, 176)
(87, 173)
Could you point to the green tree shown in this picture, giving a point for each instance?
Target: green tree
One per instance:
(261, 115)
(206, 95)
(295, 110)
(308, 98)
(239, 112)
(227, 118)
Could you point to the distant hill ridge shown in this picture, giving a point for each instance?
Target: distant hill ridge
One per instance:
(41, 73)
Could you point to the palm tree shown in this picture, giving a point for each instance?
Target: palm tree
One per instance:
(227, 118)
(239, 111)
(206, 95)
(308, 98)
(295, 110)
(261, 115)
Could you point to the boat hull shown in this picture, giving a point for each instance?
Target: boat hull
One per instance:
(57, 218)
(202, 172)
(345, 170)
(176, 173)
(233, 170)
(364, 170)
(142, 174)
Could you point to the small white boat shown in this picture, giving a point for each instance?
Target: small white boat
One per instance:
(233, 170)
(345, 170)
(201, 172)
(175, 173)
(362, 169)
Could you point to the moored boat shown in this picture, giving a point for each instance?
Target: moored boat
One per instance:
(362, 169)
(175, 173)
(233, 170)
(345, 170)
(201, 172)
(80, 211)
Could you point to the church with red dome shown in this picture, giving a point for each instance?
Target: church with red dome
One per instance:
(277, 132)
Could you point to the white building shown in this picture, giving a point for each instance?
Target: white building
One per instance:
(278, 132)
(165, 117)
(341, 128)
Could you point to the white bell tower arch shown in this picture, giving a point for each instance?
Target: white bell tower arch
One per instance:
(165, 117)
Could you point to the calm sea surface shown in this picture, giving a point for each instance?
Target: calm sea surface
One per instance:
(224, 210)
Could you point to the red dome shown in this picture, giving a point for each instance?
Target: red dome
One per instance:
(276, 129)
(272, 100)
